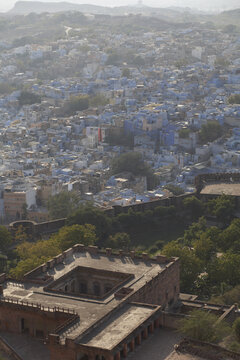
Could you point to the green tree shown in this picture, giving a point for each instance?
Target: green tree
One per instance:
(32, 255)
(229, 296)
(76, 103)
(234, 99)
(236, 328)
(229, 237)
(20, 234)
(221, 62)
(98, 100)
(174, 189)
(120, 241)
(117, 136)
(126, 73)
(27, 265)
(113, 59)
(6, 88)
(5, 239)
(161, 212)
(75, 234)
(204, 248)
(134, 163)
(184, 133)
(190, 265)
(42, 248)
(28, 98)
(62, 204)
(88, 214)
(225, 268)
(193, 206)
(222, 207)
(194, 231)
(202, 286)
(181, 62)
(138, 61)
(210, 132)
(203, 326)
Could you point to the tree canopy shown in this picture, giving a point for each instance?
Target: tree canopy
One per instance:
(76, 103)
(28, 98)
(184, 133)
(133, 162)
(174, 189)
(62, 204)
(117, 136)
(203, 326)
(32, 255)
(126, 73)
(5, 239)
(88, 214)
(75, 234)
(5, 88)
(194, 207)
(210, 132)
(119, 241)
(234, 99)
(222, 207)
(236, 328)
(190, 265)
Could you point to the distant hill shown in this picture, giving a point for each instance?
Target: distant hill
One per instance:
(26, 7)
(169, 14)
(229, 17)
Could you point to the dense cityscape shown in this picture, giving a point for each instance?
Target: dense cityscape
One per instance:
(119, 182)
(72, 104)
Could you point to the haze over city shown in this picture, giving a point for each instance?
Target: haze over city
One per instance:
(214, 5)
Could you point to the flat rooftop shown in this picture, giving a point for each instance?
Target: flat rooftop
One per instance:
(110, 333)
(91, 310)
(219, 189)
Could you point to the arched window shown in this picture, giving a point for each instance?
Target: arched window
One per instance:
(107, 288)
(96, 288)
(81, 356)
(83, 288)
(73, 286)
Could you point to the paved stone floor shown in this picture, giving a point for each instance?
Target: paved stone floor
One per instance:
(158, 346)
(25, 346)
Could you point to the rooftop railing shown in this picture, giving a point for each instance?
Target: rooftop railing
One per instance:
(37, 306)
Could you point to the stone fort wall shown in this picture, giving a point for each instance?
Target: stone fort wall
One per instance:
(204, 179)
(36, 230)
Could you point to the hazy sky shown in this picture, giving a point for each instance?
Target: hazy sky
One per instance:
(200, 4)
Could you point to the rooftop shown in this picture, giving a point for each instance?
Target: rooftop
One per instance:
(92, 284)
(110, 333)
(219, 189)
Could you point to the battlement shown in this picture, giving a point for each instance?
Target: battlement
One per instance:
(38, 275)
(107, 298)
(204, 179)
(35, 306)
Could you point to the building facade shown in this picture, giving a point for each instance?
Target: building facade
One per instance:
(88, 304)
